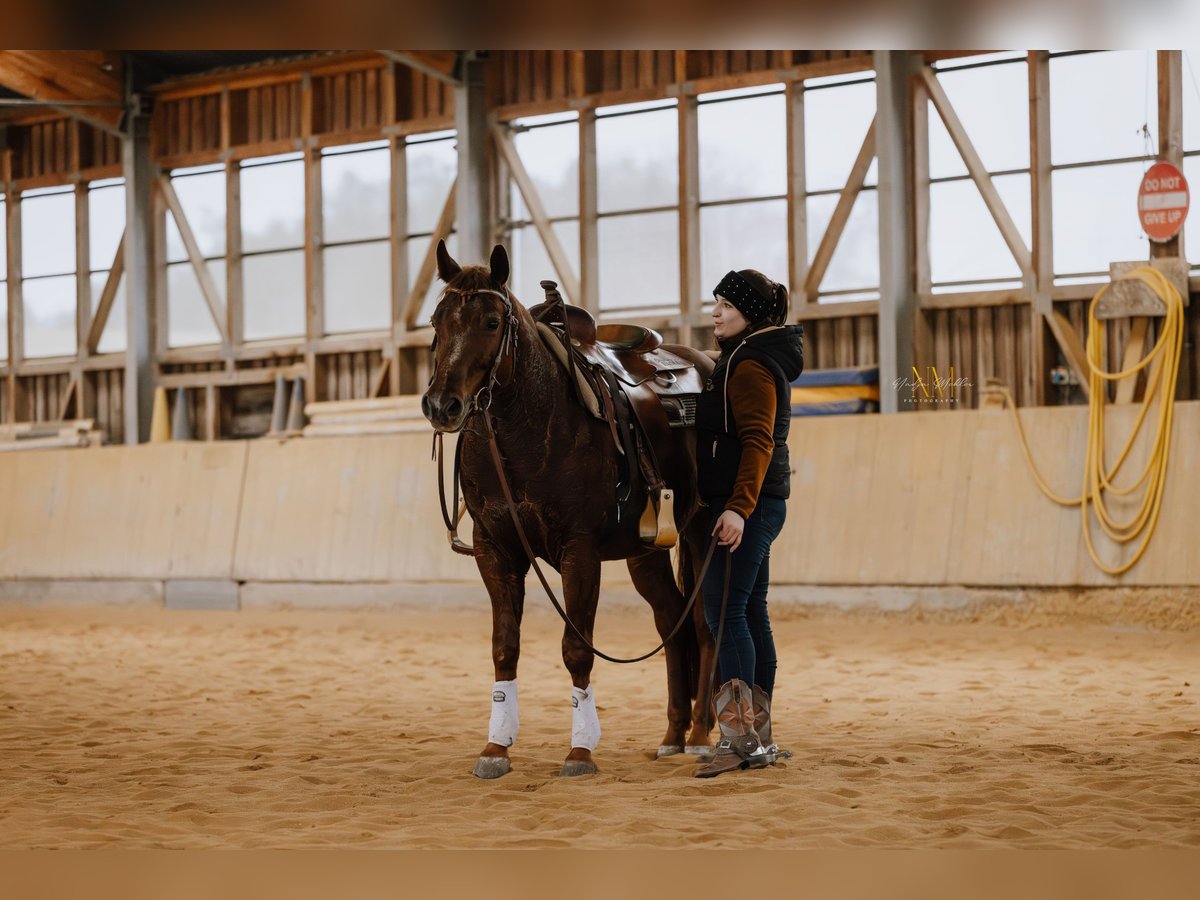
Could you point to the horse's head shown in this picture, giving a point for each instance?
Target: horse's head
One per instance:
(470, 334)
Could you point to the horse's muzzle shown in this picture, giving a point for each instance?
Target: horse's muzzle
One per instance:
(445, 411)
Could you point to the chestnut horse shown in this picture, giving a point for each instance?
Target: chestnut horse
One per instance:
(564, 474)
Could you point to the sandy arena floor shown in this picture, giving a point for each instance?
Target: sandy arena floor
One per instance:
(290, 729)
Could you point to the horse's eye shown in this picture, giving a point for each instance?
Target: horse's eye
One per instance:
(492, 324)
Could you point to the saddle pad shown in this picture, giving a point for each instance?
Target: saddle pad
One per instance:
(583, 386)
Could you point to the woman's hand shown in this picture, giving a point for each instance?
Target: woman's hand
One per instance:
(729, 530)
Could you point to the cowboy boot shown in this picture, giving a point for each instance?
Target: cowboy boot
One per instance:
(739, 747)
(762, 717)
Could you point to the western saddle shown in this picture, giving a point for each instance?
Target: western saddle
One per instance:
(624, 376)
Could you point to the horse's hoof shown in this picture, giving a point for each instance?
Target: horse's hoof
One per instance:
(573, 767)
(669, 750)
(698, 750)
(489, 767)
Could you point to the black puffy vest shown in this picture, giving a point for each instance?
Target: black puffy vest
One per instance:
(718, 450)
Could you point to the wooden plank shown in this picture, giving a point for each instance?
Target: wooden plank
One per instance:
(107, 295)
(589, 232)
(979, 174)
(314, 258)
(83, 266)
(1041, 211)
(62, 76)
(234, 290)
(208, 287)
(797, 198)
(398, 231)
(16, 327)
(841, 214)
(230, 378)
(554, 248)
(441, 230)
(1068, 340)
(690, 289)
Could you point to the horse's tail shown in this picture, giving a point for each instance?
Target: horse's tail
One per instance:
(685, 579)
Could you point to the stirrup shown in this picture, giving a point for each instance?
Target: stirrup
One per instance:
(657, 524)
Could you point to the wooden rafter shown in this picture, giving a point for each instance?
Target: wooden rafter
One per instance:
(441, 231)
(208, 287)
(979, 174)
(107, 296)
(554, 247)
(60, 78)
(841, 215)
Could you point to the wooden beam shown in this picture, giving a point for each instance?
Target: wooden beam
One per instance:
(235, 304)
(691, 291)
(439, 64)
(420, 287)
(841, 214)
(589, 231)
(537, 212)
(398, 230)
(60, 78)
(978, 172)
(1042, 275)
(100, 319)
(83, 266)
(208, 287)
(16, 329)
(797, 198)
(1072, 348)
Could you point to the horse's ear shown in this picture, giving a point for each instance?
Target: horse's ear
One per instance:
(447, 267)
(500, 267)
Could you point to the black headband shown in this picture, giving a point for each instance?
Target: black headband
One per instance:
(745, 297)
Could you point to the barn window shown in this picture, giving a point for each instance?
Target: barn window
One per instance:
(743, 183)
(201, 193)
(48, 271)
(273, 247)
(637, 186)
(837, 113)
(356, 193)
(1104, 134)
(549, 151)
(990, 97)
(106, 224)
(432, 165)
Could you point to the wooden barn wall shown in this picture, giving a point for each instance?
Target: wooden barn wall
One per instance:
(542, 76)
(60, 150)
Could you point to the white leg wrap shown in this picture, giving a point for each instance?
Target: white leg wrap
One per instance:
(585, 723)
(502, 729)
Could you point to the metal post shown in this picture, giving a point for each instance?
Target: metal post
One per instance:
(897, 275)
(470, 117)
(139, 276)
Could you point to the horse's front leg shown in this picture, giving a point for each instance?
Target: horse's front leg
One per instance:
(581, 592)
(505, 581)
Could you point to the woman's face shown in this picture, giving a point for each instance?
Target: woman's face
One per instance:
(727, 319)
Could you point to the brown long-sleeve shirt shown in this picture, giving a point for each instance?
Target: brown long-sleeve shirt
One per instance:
(751, 391)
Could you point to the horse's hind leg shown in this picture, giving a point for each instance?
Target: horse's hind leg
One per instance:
(581, 594)
(654, 580)
(505, 581)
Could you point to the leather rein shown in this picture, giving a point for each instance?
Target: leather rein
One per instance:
(481, 405)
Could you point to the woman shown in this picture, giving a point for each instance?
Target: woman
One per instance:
(742, 421)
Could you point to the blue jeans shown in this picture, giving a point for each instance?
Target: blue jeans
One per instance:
(747, 648)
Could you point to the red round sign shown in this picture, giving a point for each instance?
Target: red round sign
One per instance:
(1163, 201)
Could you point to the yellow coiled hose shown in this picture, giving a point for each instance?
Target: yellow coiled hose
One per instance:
(1164, 358)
